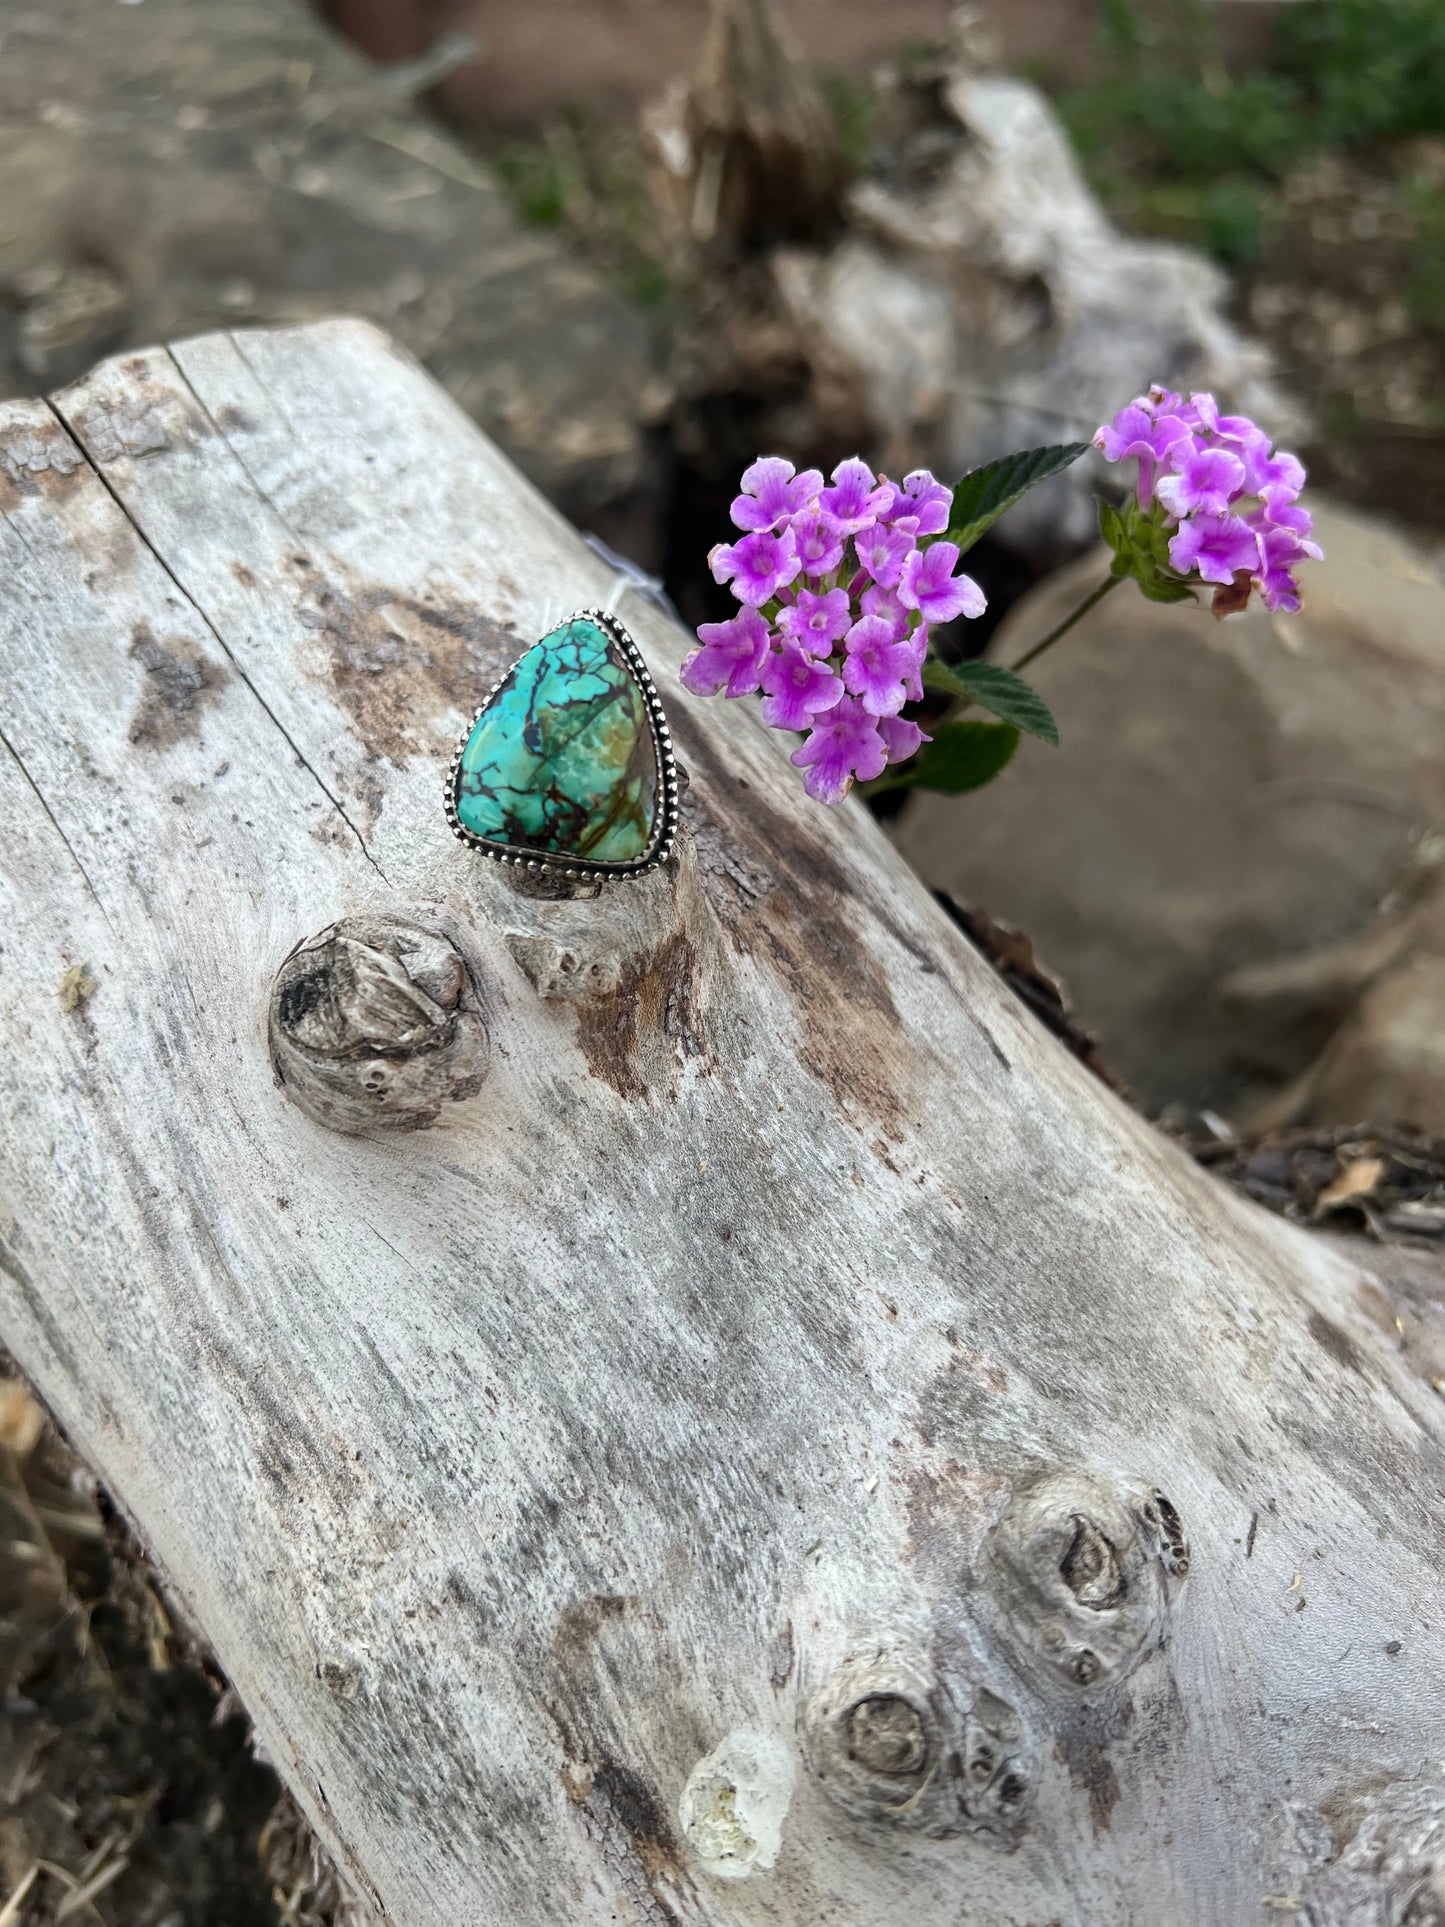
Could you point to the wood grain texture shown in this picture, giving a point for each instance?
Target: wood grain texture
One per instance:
(792, 1447)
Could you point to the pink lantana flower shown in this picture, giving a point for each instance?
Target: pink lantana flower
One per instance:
(817, 621)
(1283, 533)
(772, 492)
(1204, 479)
(917, 642)
(920, 503)
(856, 496)
(843, 743)
(821, 539)
(757, 566)
(1264, 467)
(836, 652)
(796, 687)
(877, 666)
(1273, 575)
(1214, 547)
(731, 657)
(902, 738)
(1279, 509)
(883, 552)
(1225, 486)
(929, 585)
(1144, 433)
(878, 601)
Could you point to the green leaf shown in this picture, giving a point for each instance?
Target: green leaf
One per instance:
(999, 690)
(1140, 541)
(986, 493)
(1163, 588)
(961, 757)
(1112, 525)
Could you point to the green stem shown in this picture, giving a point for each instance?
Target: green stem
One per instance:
(1032, 655)
(882, 784)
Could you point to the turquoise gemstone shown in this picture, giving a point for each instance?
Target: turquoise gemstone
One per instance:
(562, 760)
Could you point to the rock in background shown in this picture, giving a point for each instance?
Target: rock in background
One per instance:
(182, 165)
(965, 297)
(1236, 860)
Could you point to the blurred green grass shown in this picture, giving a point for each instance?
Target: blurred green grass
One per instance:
(584, 174)
(1178, 144)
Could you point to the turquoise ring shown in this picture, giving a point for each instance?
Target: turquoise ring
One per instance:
(567, 766)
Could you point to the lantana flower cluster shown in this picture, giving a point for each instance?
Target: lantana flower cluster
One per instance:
(1231, 498)
(838, 586)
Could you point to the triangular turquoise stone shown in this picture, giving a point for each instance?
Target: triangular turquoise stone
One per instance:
(562, 760)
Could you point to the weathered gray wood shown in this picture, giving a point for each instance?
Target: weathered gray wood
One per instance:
(792, 1447)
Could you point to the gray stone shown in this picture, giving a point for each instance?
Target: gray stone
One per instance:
(1232, 859)
(202, 165)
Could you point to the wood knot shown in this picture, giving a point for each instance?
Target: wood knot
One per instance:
(374, 1023)
(642, 964)
(887, 1735)
(888, 1743)
(1081, 1565)
(1090, 1568)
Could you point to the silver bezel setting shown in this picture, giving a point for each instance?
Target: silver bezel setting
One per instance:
(664, 830)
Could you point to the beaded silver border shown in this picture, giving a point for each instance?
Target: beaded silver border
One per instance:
(665, 831)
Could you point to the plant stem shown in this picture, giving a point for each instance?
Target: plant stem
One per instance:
(1094, 596)
(881, 784)
(1031, 655)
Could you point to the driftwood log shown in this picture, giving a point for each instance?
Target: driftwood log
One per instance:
(783, 1443)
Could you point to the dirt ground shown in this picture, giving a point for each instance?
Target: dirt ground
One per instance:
(129, 1794)
(538, 58)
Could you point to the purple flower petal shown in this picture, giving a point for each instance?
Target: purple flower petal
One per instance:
(922, 502)
(877, 665)
(1201, 412)
(917, 644)
(843, 743)
(855, 497)
(1205, 479)
(883, 551)
(757, 566)
(1135, 431)
(1280, 550)
(821, 539)
(772, 492)
(796, 688)
(1140, 432)
(816, 622)
(929, 585)
(1266, 467)
(901, 738)
(1279, 510)
(1214, 547)
(878, 601)
(1130, 433)
(731, 658)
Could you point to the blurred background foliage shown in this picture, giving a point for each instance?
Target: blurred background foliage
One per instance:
(1299, 143)
(1178, 139)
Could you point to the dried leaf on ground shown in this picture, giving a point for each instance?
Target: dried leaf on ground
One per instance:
(1355, 1183)
(1390, 1181)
